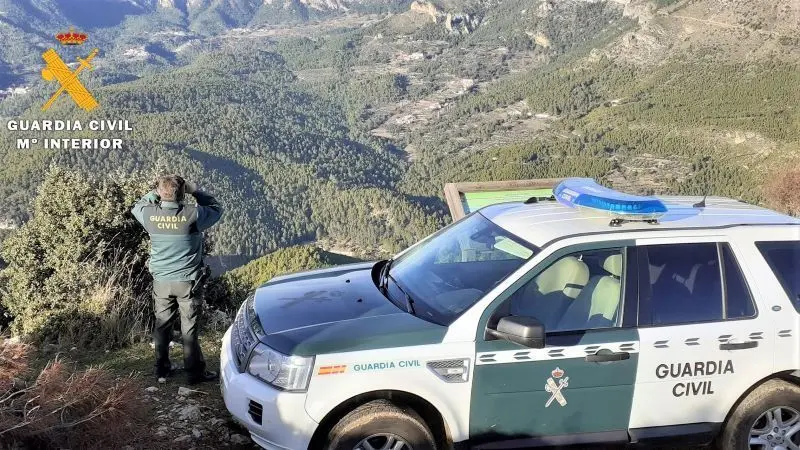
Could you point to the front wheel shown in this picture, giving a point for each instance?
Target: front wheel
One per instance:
(768, 418)
(381, 425)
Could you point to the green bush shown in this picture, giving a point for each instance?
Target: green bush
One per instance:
(76, 271)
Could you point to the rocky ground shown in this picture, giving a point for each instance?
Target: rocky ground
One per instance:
(193, 418)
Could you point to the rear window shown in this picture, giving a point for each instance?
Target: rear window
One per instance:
(784, 259)
(739, 300)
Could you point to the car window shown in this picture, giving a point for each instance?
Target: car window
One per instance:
(739, 299)
(448, 273)
(579, 291)
(784, 259)
(483, 247)
(686, 285)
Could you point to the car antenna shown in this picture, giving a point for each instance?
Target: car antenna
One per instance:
(701, 203)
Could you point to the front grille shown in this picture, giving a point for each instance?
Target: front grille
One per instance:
(256, 411)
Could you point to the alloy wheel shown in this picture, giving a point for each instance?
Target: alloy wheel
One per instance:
(776, 429)
(384, 441)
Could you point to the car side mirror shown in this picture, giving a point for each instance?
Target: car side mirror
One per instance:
(522, 330)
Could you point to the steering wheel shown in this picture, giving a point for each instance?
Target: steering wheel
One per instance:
(442, 285)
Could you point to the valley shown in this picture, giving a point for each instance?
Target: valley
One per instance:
(340, 122)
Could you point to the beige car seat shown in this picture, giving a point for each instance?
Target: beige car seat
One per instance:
(598, 303)
(548, 293)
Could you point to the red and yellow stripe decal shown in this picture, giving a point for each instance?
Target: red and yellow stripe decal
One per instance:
(331, 370)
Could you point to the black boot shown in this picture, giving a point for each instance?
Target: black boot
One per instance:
(206, 375)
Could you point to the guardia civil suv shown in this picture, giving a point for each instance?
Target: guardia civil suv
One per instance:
(591, 317)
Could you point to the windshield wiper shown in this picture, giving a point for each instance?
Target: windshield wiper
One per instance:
(383, 279)
(383, 285)
(409, 300)
(410, 305)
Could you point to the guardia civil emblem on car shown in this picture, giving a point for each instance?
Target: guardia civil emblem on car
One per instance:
(555, 389)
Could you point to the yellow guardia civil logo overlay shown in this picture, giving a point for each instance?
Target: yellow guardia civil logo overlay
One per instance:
(57, 70)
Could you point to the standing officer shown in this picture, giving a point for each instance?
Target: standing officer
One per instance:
(176, 263)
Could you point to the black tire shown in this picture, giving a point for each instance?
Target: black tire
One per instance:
(377, 417)
(771, 394)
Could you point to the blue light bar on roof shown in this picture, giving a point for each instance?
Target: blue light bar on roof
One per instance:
(586, 193)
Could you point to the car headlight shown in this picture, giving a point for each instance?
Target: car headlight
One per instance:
(290, 373)
(242, 338)
(252, 317)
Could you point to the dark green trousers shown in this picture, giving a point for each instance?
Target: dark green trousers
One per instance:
(171, 299)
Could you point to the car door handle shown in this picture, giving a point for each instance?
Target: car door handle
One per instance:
(738, 345)
(611, 356)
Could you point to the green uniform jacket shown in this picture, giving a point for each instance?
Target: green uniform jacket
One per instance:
(176, 234)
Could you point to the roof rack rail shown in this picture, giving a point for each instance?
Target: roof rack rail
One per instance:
(618, 221)
(535, 199)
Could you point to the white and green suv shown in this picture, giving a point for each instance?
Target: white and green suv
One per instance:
(594, 317)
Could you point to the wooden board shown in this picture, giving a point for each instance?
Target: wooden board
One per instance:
(463, 198)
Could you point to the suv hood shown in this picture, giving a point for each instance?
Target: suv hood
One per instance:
(335, 310)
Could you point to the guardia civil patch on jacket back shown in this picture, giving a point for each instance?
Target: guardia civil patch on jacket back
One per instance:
(180, 221)
(176, 233)
(176, 242)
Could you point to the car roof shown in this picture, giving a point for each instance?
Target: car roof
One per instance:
(547, 220)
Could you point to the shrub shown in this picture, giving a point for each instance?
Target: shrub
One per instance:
(65, 409)
(76, 271)
(783, 190)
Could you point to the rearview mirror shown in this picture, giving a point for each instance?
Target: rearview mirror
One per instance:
(522, 330)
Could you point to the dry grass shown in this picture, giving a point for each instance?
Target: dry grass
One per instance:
(125, 308)
(64, 408)
(112, 310)
(13, 364)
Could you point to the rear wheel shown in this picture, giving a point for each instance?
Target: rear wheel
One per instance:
(381, 425)
(768, 418)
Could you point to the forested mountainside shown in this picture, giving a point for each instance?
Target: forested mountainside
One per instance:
(340, 121)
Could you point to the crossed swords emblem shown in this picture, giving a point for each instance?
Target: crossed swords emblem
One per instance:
(57, 70)
(555, 391)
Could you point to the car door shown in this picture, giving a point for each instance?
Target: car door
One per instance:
(702, 342)
(579, 386)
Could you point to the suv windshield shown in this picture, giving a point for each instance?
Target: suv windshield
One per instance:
(454, 268)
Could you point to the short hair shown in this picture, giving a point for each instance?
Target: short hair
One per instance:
(170, 187)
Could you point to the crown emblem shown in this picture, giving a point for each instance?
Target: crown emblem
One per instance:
(557, 373)
(72, 37)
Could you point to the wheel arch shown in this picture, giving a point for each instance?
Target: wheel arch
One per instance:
(786, 375)
(430, 414)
